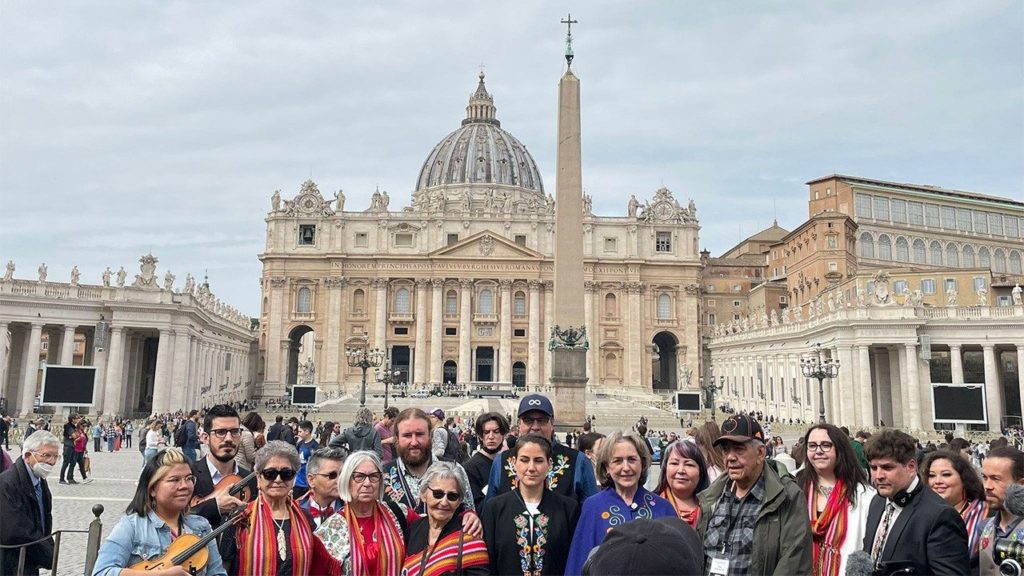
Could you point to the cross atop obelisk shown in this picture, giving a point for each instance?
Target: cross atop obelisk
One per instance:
(568, 39)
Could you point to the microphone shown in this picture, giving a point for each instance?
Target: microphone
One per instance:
(860, 564)
(1013, 502)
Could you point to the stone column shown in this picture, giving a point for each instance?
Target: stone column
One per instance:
(3, 355)
(192, 395)
(912, 391)
(956, 364)
(420, 359)
(846, 386)
(1020, 369)
(465, 370)
(115, 372)
(436, 330)
(335, 329)
(634, 370)
(588, 320)
(67, 346)
(380, 324)
(162, 381)
(533, 335)
(867, 406)
(505, 336)
(549, 321)
(993, 389)
(179, 374)
(30, 369)
(277, 357)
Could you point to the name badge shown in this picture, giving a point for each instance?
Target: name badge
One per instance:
(719, 567)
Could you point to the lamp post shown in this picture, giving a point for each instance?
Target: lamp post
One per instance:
(388, 377)
(364, 357)
(710, 389)
(818, 368)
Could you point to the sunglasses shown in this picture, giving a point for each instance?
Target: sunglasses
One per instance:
(451, 496)
(271, 474)
(329, 475)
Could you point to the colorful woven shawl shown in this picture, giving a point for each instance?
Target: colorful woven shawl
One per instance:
(828, 529)
(258, 535)
(388, 549)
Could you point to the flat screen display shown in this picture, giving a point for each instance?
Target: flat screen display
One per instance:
(303, 394)
(688, 401)
(72, 385)
(965, 404)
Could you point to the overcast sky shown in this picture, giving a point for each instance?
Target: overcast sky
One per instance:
(130, 127)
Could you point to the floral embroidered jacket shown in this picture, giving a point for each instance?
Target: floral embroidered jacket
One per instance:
(571, 474)
(521, 544)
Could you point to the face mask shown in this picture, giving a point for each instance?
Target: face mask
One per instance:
(42, 469)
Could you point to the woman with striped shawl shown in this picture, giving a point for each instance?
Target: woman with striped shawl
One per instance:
(436, 544)
(954, 479)
(838, 497)
(275, 536)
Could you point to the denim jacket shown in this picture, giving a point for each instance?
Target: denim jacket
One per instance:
(136, 538)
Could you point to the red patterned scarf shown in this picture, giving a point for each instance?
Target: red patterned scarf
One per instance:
(443, 558)
(388, 549)
(258, 553)
(828, 529)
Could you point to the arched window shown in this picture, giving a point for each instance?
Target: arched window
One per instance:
(902, 250)
(664, 307)
(984, 259)
(999, 261)
(884, 247)
(451, 303)
(1015, 267)
(486, 304)
(952, 255)
(867, 246)
(968, 256)
(305, 301)
(611, 306)
(919, 252)
(359, 301)
(519, 304)
(936, 253)
(401, 301)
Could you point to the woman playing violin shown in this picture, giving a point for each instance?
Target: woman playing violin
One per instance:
(154, 519)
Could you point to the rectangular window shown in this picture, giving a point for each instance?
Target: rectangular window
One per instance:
(735, 317)
(712, 303)
(1012, 230)
(711, 319)
(1004, 300)
(979, 283)
(899, 211)
(519, 332)
(899, 286)
(939, 367)
(361, 240)
(963, 220)
(974, 366)
(980, 223)
(915, 213)
(783, 299)
(995, 224)
(863, 206)
(521, 240)
(931, 215)
(663, 242)
(611, 244)
(403, 240)
(880, 205)
(451, 331)
(307, 234)
(452, 239)
(928, 286)
(950, 284)
(833, 266)
(401, 331)
(948, 218)
(737, 303)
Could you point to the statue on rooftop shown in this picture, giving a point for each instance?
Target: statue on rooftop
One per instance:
(9, 273)
(42, 272)
(106, 277)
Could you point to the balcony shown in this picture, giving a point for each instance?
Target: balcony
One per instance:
(400, 318)
(485, 318)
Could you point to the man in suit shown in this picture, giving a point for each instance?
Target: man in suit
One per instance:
(26, 504)
(222, 433)
(909, 526)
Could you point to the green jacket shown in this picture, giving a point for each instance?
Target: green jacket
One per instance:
(858, 449)
(782, 536)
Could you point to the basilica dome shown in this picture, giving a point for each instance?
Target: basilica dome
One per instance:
(480, 152)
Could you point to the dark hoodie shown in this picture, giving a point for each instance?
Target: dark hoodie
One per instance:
(359, 437)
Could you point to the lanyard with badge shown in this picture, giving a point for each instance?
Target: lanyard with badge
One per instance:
(720, 561)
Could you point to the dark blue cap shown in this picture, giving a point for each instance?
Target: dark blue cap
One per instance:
(536, 402)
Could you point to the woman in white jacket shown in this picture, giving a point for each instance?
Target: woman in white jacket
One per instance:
(838, 496)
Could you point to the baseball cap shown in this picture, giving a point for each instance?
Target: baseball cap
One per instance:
(649, 547)
(536, 402)
(437, 413)
(740, 428)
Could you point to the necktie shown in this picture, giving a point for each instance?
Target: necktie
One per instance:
(42, 511)
(882, 534)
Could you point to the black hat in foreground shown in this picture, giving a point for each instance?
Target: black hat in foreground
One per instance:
(664, 546)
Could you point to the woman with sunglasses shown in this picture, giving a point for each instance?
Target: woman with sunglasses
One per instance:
(838, 496)
(274, 535)
(529, 528)
(436, 545)
(154, 518)
(683, 475)
(368, 533)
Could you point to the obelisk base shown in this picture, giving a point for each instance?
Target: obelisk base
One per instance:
(569, 378)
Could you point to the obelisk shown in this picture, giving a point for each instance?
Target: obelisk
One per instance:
(569, 341)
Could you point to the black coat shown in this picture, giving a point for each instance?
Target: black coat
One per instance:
(20, 523)
(504, 541)
(928, 536)
(274, 432)
(209, 510)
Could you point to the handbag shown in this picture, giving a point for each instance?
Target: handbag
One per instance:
(87, 463)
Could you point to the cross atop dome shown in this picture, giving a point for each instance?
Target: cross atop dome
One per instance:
(481, 105)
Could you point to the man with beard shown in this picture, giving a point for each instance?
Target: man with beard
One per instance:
(222, 433)
(491, 429)
(1003, 467)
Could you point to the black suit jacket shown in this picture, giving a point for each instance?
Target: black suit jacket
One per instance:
(928, 536)
(209, 510)
(20, 523)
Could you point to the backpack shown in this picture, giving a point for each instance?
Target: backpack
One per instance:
(181, 435)
(452, 448)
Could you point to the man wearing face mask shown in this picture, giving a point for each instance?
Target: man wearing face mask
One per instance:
(25, 497)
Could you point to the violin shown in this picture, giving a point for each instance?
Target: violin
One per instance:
(233, 484)
(188, 550)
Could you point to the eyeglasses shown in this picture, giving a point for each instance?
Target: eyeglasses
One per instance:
(815, 447)
(359, 477)
(223, 432)
(271, 474)
(46, 457)
(329, 475)
(542, 420)
(175, 480)
(451, 496)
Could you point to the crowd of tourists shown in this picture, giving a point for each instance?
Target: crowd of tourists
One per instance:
(400, 493)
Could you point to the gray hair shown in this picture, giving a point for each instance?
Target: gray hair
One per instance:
(604, 455)
(364, 416)
(321, 454)
(353, 462)
(441, 470)
(37, 440)
(276, 448)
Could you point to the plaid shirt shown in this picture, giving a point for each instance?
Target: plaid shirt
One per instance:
(737, 543)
